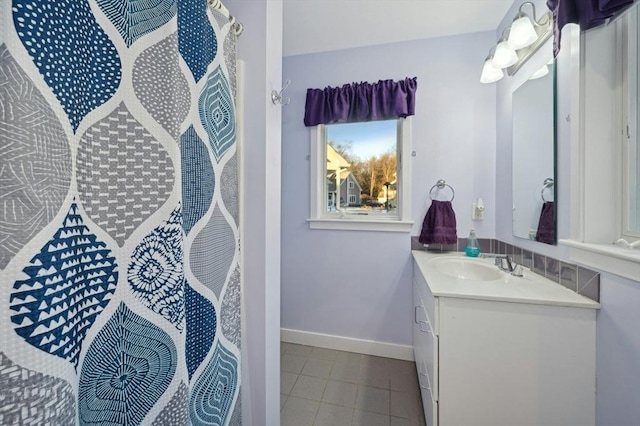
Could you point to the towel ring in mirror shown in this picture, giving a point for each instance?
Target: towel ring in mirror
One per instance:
(548, 183)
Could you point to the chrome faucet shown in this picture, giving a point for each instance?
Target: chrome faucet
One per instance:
(502, 259)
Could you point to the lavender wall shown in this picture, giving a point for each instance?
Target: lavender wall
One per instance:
(358, 284)
(260, 47)
(618, 352)
(617, 336)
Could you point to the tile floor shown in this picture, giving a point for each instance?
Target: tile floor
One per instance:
(323, 387)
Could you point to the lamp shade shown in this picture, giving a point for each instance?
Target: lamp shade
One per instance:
(522, 33)
(490, 74)
(540, 73)
(504, 56)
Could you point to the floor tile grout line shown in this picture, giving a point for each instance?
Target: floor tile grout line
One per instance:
(294, 384)
(315, 417)
(359, 382)
(346, 406)
(353, 409)
(301, 368)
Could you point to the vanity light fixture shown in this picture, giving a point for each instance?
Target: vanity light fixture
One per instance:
(490, 73)
(524, 39)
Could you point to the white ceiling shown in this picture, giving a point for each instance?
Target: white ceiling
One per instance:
(312, 26)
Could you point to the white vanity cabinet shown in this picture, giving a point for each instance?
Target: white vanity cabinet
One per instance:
(486, 361)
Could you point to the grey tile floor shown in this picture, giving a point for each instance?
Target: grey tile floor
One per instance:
(323, 387)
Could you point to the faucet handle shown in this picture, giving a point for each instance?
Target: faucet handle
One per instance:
(505, 263)
(518, 270)
(500, 263)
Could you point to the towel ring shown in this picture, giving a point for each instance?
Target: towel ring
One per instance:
(440, 184)
(548, 183)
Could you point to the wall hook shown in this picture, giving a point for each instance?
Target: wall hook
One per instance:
(276, 97)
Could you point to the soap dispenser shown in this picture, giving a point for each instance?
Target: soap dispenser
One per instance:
(473, 248)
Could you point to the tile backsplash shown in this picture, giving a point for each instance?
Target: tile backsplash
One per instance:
(582, 280)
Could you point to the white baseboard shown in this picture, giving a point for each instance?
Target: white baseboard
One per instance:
(328, 341)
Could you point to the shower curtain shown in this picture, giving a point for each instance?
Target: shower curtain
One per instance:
(119, 241)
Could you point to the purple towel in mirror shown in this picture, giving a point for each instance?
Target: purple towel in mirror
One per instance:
(439, 225)
(546, 229)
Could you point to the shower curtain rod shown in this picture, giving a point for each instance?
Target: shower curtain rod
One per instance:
(217, 4)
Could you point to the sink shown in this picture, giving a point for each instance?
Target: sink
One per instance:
(467, 269)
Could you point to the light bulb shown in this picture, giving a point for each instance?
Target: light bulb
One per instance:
(540, 73)
(504, 56)
(490, 74)
(522, 33)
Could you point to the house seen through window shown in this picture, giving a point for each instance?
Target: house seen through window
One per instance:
(362, 168)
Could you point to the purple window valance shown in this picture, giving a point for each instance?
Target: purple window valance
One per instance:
(587, 13)
(356, 102)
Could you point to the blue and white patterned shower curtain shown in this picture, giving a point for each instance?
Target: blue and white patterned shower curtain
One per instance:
(119, 254)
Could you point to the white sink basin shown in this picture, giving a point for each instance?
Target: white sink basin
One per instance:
(467, 269)
(456, 275)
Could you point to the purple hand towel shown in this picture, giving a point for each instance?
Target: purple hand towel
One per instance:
(546, 229)
(439, 225)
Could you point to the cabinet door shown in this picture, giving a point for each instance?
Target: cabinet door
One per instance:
(506, 364)
(425, 348)
(431, 412)
(429, 302)
(419, 349)
(426, 319)
(431, 359)
(419, 337)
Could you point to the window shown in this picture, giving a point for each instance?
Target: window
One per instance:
(364, 155)
(630, 120)
(358, 178)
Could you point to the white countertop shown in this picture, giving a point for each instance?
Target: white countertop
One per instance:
(531, 288)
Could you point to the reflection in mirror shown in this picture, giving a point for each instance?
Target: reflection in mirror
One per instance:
(533, 157)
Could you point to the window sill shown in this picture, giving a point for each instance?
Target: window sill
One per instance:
(361, 225)
(624, 262)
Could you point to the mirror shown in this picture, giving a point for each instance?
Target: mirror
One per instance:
(533, 161)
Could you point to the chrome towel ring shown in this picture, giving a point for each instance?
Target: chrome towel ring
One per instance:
(440, 184)
(548, 183)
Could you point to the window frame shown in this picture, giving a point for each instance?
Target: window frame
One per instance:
(629, 121)
(592, 127)
(319, 218)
